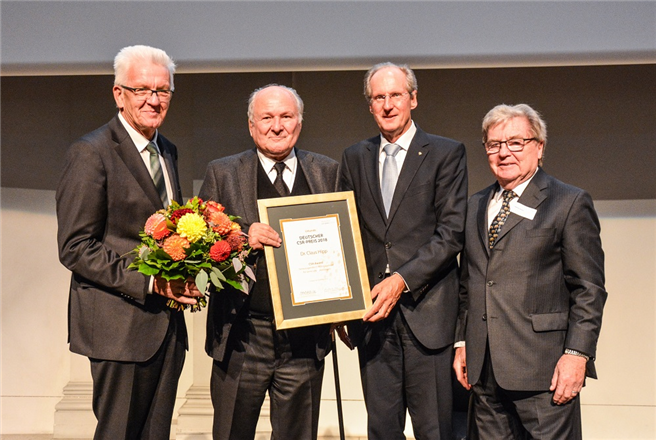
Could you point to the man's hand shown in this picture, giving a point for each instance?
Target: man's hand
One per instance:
(568, 378)
(460, 367)
(387, 294)
(260, 235)
(184, 292)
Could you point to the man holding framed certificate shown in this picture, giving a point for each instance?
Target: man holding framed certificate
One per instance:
(251, 357)
(411, 193)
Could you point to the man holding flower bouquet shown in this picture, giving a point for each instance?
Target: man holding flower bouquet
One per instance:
(113, 180)
(250, 356)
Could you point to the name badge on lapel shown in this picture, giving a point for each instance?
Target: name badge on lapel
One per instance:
(522, 210)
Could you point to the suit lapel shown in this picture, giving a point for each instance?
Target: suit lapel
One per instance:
(481, 216)
(128, 153)
(311, 171)
(416, 154)
(247, 175)
(371, 172)
(532, 197)
(171, 167)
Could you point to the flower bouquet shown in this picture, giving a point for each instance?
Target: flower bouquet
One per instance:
(198, 241)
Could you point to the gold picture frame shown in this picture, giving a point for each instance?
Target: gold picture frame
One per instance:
(319, 274)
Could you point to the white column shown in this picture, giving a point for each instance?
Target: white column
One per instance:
(74, 416)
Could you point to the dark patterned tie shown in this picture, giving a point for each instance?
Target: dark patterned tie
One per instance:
(280, 184)
(501, 217)
(390, 175)
(156, 171)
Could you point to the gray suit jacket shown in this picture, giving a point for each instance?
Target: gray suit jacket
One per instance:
(539, 291)
(424, 232)
(232, 181)
(104, 198)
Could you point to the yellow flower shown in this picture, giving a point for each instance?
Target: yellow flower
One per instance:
(192, 227)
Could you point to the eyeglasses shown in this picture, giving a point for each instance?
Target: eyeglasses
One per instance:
(514, 145)
(394, 97)
(143, 93)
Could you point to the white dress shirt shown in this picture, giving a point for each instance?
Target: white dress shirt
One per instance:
(141, 143)
(288, 174)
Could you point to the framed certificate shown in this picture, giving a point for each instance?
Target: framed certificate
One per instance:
(318, 275)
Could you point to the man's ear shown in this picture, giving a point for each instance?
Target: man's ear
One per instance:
(119, 97)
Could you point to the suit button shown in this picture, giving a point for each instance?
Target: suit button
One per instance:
(388, 245)
(380, 275)
(490, 283)
(484, 316)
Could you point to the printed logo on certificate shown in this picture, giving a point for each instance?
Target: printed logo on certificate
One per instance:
(315, 259)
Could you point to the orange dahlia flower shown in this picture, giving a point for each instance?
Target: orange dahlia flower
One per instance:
(175, 246)
(211, 207)
(220, 222)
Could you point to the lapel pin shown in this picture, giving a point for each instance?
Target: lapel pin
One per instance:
(419, 153)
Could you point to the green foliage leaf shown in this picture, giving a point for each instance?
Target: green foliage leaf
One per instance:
(216, 281)
(217, 272)
(201, 280)
(236, 284)
(148, 270)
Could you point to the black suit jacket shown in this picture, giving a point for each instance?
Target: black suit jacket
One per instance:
(424, 232)
(232, 181)
(539, 291)
(104, 198)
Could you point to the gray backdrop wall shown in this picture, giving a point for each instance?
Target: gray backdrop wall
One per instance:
(601, 119)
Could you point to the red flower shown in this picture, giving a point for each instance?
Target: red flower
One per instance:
(156, 226)
(175, 246)
(236, 241)
(220, 251)
(175, 215)
(211, 207)
(219, 222)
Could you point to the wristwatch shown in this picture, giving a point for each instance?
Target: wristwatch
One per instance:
(577, 353)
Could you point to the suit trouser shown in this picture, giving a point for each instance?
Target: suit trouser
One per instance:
(498, 414)
(399, 374)
(265, 361)
(135, 400)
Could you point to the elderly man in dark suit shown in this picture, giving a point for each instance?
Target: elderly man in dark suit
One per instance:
(114, 179)
(250, 356)
(411, 191)
(532, 290)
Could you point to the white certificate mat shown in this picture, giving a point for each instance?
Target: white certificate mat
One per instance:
(315, 259)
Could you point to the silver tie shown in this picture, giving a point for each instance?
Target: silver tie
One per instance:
(390, 175)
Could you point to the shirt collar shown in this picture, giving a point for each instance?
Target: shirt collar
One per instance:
(404, 141)
(519, 189)
(137, 138)
(268, 163)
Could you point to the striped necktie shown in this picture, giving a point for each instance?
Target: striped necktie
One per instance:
(156, 173)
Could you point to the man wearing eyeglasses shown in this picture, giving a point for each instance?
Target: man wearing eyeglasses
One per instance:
(410, 191)
(532, 290)
(114, 178)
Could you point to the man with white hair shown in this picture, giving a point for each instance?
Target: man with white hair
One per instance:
(114, 178)
(252, 357)
(532, 290)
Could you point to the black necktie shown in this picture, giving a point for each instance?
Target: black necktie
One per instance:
(280, 184)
